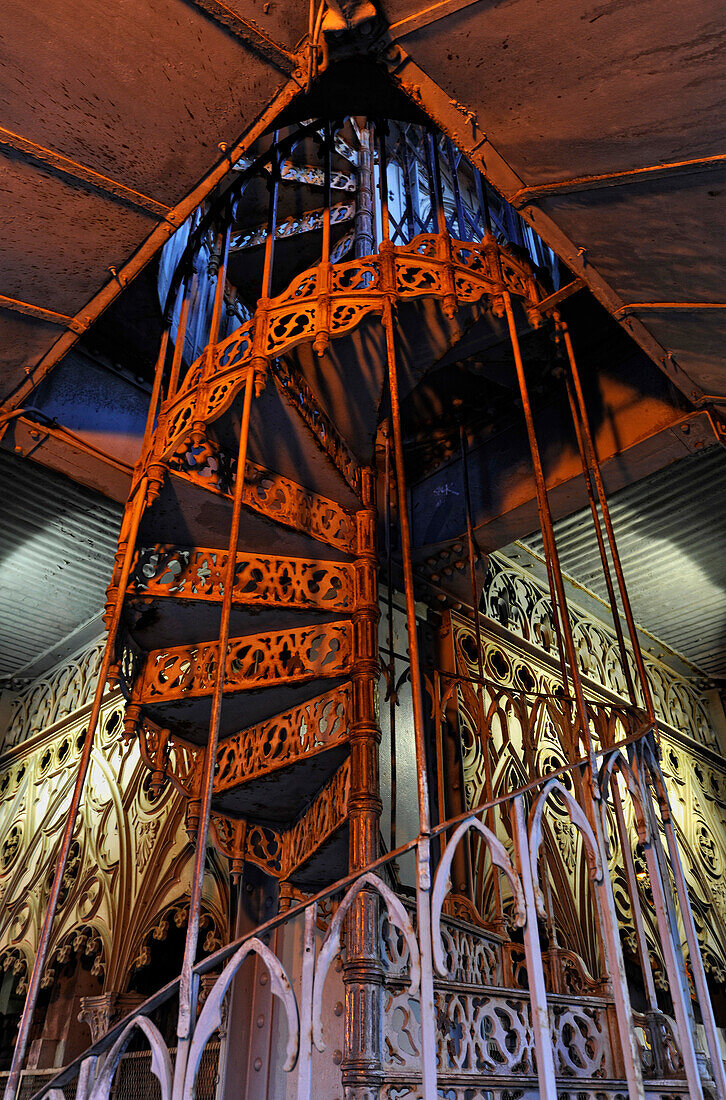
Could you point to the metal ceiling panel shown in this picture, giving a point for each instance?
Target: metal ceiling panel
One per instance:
(697, 340)
(111, 116)
(22, 341)
(59, 240)
(57, 544)
(671, 532)
(660, 240)
(140, 92)
(578, 88)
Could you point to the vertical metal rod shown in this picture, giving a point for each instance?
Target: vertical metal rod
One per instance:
(604, 900)
(483, 200)
(327, 167)
(405, 528)
(634, 895)
(484, 740)
(31, 999)
(223, 252)
(423, 870)
(304, 1065)
(429, 1085)
(186, 983)
(602, 496)
(438, 727)
(671, 946)
(190, 286)
(458, 203)
(694, 949)
(364, 223)
(408, 184)
(533, 953)
(273, 185)
(586, 473)
(155, 391)
(383, 180)
(391, 647)
(437, 191)
(557, 588)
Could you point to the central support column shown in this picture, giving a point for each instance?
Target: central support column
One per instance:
(362, 1070)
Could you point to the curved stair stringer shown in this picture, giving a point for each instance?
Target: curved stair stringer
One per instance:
(327, 302)
(305, 575)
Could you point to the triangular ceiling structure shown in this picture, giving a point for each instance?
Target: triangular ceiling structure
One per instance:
(601, 123)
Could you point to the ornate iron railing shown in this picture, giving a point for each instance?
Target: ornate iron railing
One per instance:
(460, 1007)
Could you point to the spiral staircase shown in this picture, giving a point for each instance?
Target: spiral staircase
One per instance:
(301, 665)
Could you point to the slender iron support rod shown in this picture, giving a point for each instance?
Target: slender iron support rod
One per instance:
(423, 871)
(186, 986)
(471, 549)
(602, 890)
(594, 464)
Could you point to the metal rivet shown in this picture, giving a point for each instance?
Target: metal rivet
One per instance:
(258, 1064)
(338, 1010)
(337, 1057)
(260, 1020)
(263, 979)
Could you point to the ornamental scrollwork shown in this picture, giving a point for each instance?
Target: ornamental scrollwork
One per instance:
(259, 579)
(287, 656)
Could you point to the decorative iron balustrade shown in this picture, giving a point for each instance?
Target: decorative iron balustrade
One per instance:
(458, 1013)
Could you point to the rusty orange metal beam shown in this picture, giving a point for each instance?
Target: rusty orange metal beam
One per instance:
(67, 167)
(251, 35)
(159, 235)
(560, 295)
(636, 307)
(526, 195)
(49, 315)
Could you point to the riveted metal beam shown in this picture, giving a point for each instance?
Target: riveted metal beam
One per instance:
(466, 131)
(430, 14)
(576, 184)
(159, 235)
(251, 35)
(560, 295)
(81, 173)
(638, 307)
(49, 315)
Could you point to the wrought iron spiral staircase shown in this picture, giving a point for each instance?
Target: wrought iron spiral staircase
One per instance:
(243, 610)
(302, 648)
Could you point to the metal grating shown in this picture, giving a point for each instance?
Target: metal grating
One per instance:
(57, 544)
(671, 532)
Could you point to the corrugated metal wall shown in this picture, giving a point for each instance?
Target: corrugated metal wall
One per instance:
(671, 531)
(57, 543)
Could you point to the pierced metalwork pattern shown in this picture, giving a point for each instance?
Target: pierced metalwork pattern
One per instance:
(326, 303)
(54, 696)
(318, 723)
(325, 815)
(315, 724)
(287, 656)
(491, 1033)
(516, 601)
(290, 227)
(260, 580)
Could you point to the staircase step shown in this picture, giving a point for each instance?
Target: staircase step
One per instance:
(262, 675)
(310, 853)
(315, 848)
(194, 508)
(174, 593)
(265, 771)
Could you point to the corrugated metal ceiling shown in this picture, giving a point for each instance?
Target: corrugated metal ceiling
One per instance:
(57, 544)
(671, 532)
